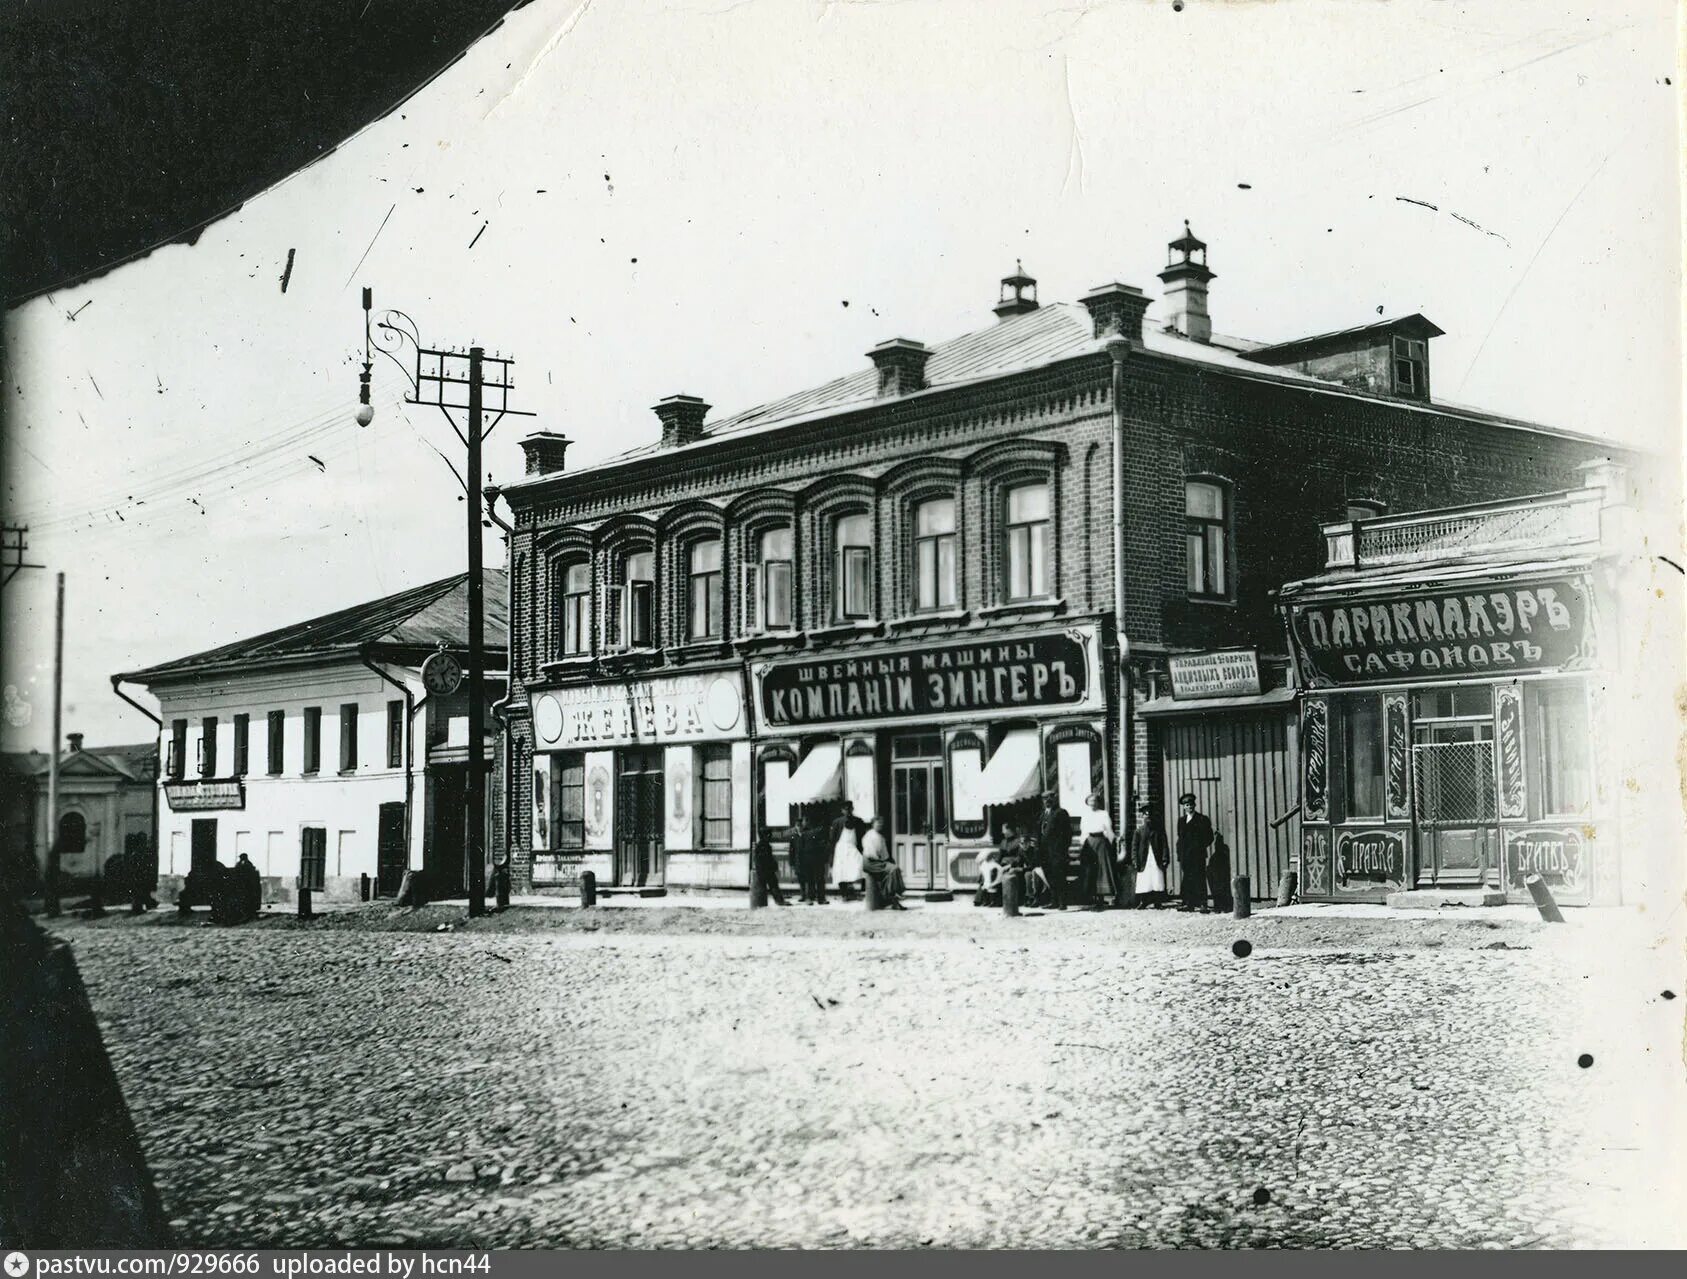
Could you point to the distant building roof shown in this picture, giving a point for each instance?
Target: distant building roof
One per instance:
(1055, 331)
(420, 618)
(133, 762)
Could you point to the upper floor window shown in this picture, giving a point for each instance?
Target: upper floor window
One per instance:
(853, 585)
(1206, 509)
(1027, 528)
(1411, 366)
(242, 744)
(630, 619)
(576, 594)
(767, 582)
(395, 734)
(277, 742)
(704, 590)
(348, 737)
(208, 747)
(176, 764)
(934, 554)
(313, 739)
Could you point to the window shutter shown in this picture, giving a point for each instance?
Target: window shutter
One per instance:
(614, 608)
(751, 621)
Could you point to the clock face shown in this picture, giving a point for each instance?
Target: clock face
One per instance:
(442, 674)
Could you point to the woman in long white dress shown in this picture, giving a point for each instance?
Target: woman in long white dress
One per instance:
(846, 859)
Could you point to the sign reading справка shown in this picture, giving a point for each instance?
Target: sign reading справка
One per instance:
(1480, 629)
(933, 681)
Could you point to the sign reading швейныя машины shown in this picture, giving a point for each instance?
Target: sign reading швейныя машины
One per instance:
(934, 681)
(1481, 629)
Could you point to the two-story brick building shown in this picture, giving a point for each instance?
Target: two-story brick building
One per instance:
(1039, 556)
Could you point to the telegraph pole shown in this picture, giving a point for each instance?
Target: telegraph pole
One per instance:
(441, 377)
(51, 902)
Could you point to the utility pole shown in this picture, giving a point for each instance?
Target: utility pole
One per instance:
(457, 381)
(14, 542)
(51, 903)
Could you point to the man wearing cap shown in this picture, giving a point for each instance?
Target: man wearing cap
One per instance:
(1194, 838)
(1145, 862)
(1054, 845)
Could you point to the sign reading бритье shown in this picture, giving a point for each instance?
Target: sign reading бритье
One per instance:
(1480, 629)
(934, 681)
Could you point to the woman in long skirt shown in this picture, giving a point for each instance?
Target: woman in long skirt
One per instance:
(1148, 851)
(846, 860)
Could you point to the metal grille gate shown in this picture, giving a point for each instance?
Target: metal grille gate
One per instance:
(1455, 783)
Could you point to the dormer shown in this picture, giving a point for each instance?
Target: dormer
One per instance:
(1390, 357)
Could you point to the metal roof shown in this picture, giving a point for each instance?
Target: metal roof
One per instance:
(132, 762)
(421, 617)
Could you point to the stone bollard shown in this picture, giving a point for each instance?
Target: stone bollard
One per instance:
(96, 899)
(1544, 901)
(588, 889)
(305, 911)
(1241, 904)
(1286, 888)
(363, 886)
(1013, 885)
(870, 893)
(758, 890)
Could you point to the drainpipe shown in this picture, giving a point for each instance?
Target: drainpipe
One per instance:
(501, 707)
(410, 708)
(1118, 348)
(157, 772)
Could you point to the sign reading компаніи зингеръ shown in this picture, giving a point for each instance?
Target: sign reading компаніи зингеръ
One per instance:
(1053, 669)
(1479, 629)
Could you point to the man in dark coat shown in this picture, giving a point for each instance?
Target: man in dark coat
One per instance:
(1054, 845)
(811, 850)
(1218, 876)
(1194, 838)
(765, 867)
(248, 888)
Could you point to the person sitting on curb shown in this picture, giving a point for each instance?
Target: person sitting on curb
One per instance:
(881, 867)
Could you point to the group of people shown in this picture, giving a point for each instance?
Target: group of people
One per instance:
(846, 855)
(850, 853)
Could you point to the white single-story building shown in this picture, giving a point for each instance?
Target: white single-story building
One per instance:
(316, 751)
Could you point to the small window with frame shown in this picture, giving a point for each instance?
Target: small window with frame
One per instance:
(1206, 513)
(1411, 366)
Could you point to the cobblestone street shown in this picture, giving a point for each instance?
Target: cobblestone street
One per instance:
(674, 1078)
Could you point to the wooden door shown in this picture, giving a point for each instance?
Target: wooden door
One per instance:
(391, 855)
(919, 823)
(638, 820)
(204, 842)
(313, 858)
(1457, 803)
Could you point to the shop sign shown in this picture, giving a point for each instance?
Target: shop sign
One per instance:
(1056, 669)
(203, 796)
(668, 708)
(1231, 673)
(1315, 759)
(1427, 635)
(1558, 855)
(1371, 856)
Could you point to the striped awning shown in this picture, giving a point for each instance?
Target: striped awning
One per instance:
(1014, 771)
(816, 777)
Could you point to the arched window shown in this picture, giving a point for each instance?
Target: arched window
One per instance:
(1026, 551)
(934, 554)
(631, 617)
(73, 833)
(575, 617)
(767, 581)
(852, 588)
(1206, 509)
(703, 590)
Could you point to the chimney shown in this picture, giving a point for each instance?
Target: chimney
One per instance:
(544, 452)
(75, 742)
(901, 363)
(1019, 294)
(1116, 309)
(1185, 278)
(682, 419)
(1607, 474)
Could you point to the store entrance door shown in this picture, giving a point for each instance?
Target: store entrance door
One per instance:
(919, 817)
(638, 820)
(1456, 803)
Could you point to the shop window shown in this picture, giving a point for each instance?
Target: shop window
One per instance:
(568, 800)
(1206, 511)
(1561, 741)
(1458, 702)
(716, 773)
(395, 734)
(1411, 366)
(176, 765)
(630, 619)
(703, 590)
(242, 744)
(1027, 549)
(277, 742)
(1366, 777)
(313, 739)
(767, 582)
(854, 581)
(934, 554)
(575, 608)
(208, 747)
(776, 806)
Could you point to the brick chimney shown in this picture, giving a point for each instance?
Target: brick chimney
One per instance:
(682, 419)
(75, 742)
(1019, 294)
(901, 363)
(1117, 309)
(544, 452)
(1185, 278)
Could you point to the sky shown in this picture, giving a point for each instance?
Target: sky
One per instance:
(736, 199)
